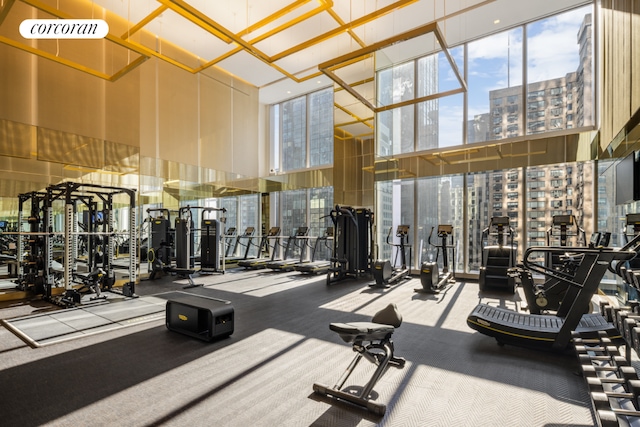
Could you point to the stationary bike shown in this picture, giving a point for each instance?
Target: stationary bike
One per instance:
(384, 273)
(430, 278)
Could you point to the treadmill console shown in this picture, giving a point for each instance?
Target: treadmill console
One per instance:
(559, 220)
(500, 221)
(273, 231)
(402, 230)
(445, 229)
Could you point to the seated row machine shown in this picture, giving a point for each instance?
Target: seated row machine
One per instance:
(371, 340)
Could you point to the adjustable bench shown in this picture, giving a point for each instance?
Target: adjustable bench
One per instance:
(371, 340)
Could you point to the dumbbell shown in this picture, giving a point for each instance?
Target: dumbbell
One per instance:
(602, 390)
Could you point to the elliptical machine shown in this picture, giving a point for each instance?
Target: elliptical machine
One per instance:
(386, 274)
(430, 278)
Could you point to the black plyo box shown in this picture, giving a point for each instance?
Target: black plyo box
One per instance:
(200, 317)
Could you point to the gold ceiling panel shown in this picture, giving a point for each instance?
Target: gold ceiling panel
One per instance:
(73, 53)
(139, 42)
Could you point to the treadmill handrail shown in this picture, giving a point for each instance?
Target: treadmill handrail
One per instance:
(621, 255)
(631, 245)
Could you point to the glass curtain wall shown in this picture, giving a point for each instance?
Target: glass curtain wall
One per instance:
(395, 207)
(530, 197)
(321, 128)
(305, 207)
(612, 218)
(397, 203)
(302, 132)
(530, 79)
(491, 194)
(560, 80)
(443, 206)
(494, 80)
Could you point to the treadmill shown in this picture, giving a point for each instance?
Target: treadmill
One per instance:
(319, 266)
(248, 235)
(265, 248)
(547, 331)
(299, 240)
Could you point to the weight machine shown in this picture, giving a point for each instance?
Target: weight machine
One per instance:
(352, 244)
(630, 271)
(210, 242)
(40, 272)
(161, 241)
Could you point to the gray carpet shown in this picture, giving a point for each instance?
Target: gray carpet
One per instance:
(263, 374)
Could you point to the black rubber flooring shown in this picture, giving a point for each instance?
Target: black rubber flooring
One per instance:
(263, 374)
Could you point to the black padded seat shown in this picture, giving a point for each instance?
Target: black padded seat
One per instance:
(365, 331)
(371, 340)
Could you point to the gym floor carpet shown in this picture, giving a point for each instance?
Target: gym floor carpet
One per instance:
(146, 375)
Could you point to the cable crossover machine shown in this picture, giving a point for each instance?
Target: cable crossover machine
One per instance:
(353, 243)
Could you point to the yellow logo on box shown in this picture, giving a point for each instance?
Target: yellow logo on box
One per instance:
(182, 317)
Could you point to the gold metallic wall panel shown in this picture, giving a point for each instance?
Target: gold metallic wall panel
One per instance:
(15, 139)
(122, 109)
(14, 184)
(148, 108)
(67, 148)
(17, 12)
(245, 133)
(220, 76)
(16, 85)
(121, 158)
(635, 54)
(31, 170)
(351, 182)
(69, 100)
(216, 150)
(177, 101)
(620, 96)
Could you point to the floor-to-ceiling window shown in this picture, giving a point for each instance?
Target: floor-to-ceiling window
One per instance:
(301, 132)
(534, 78)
